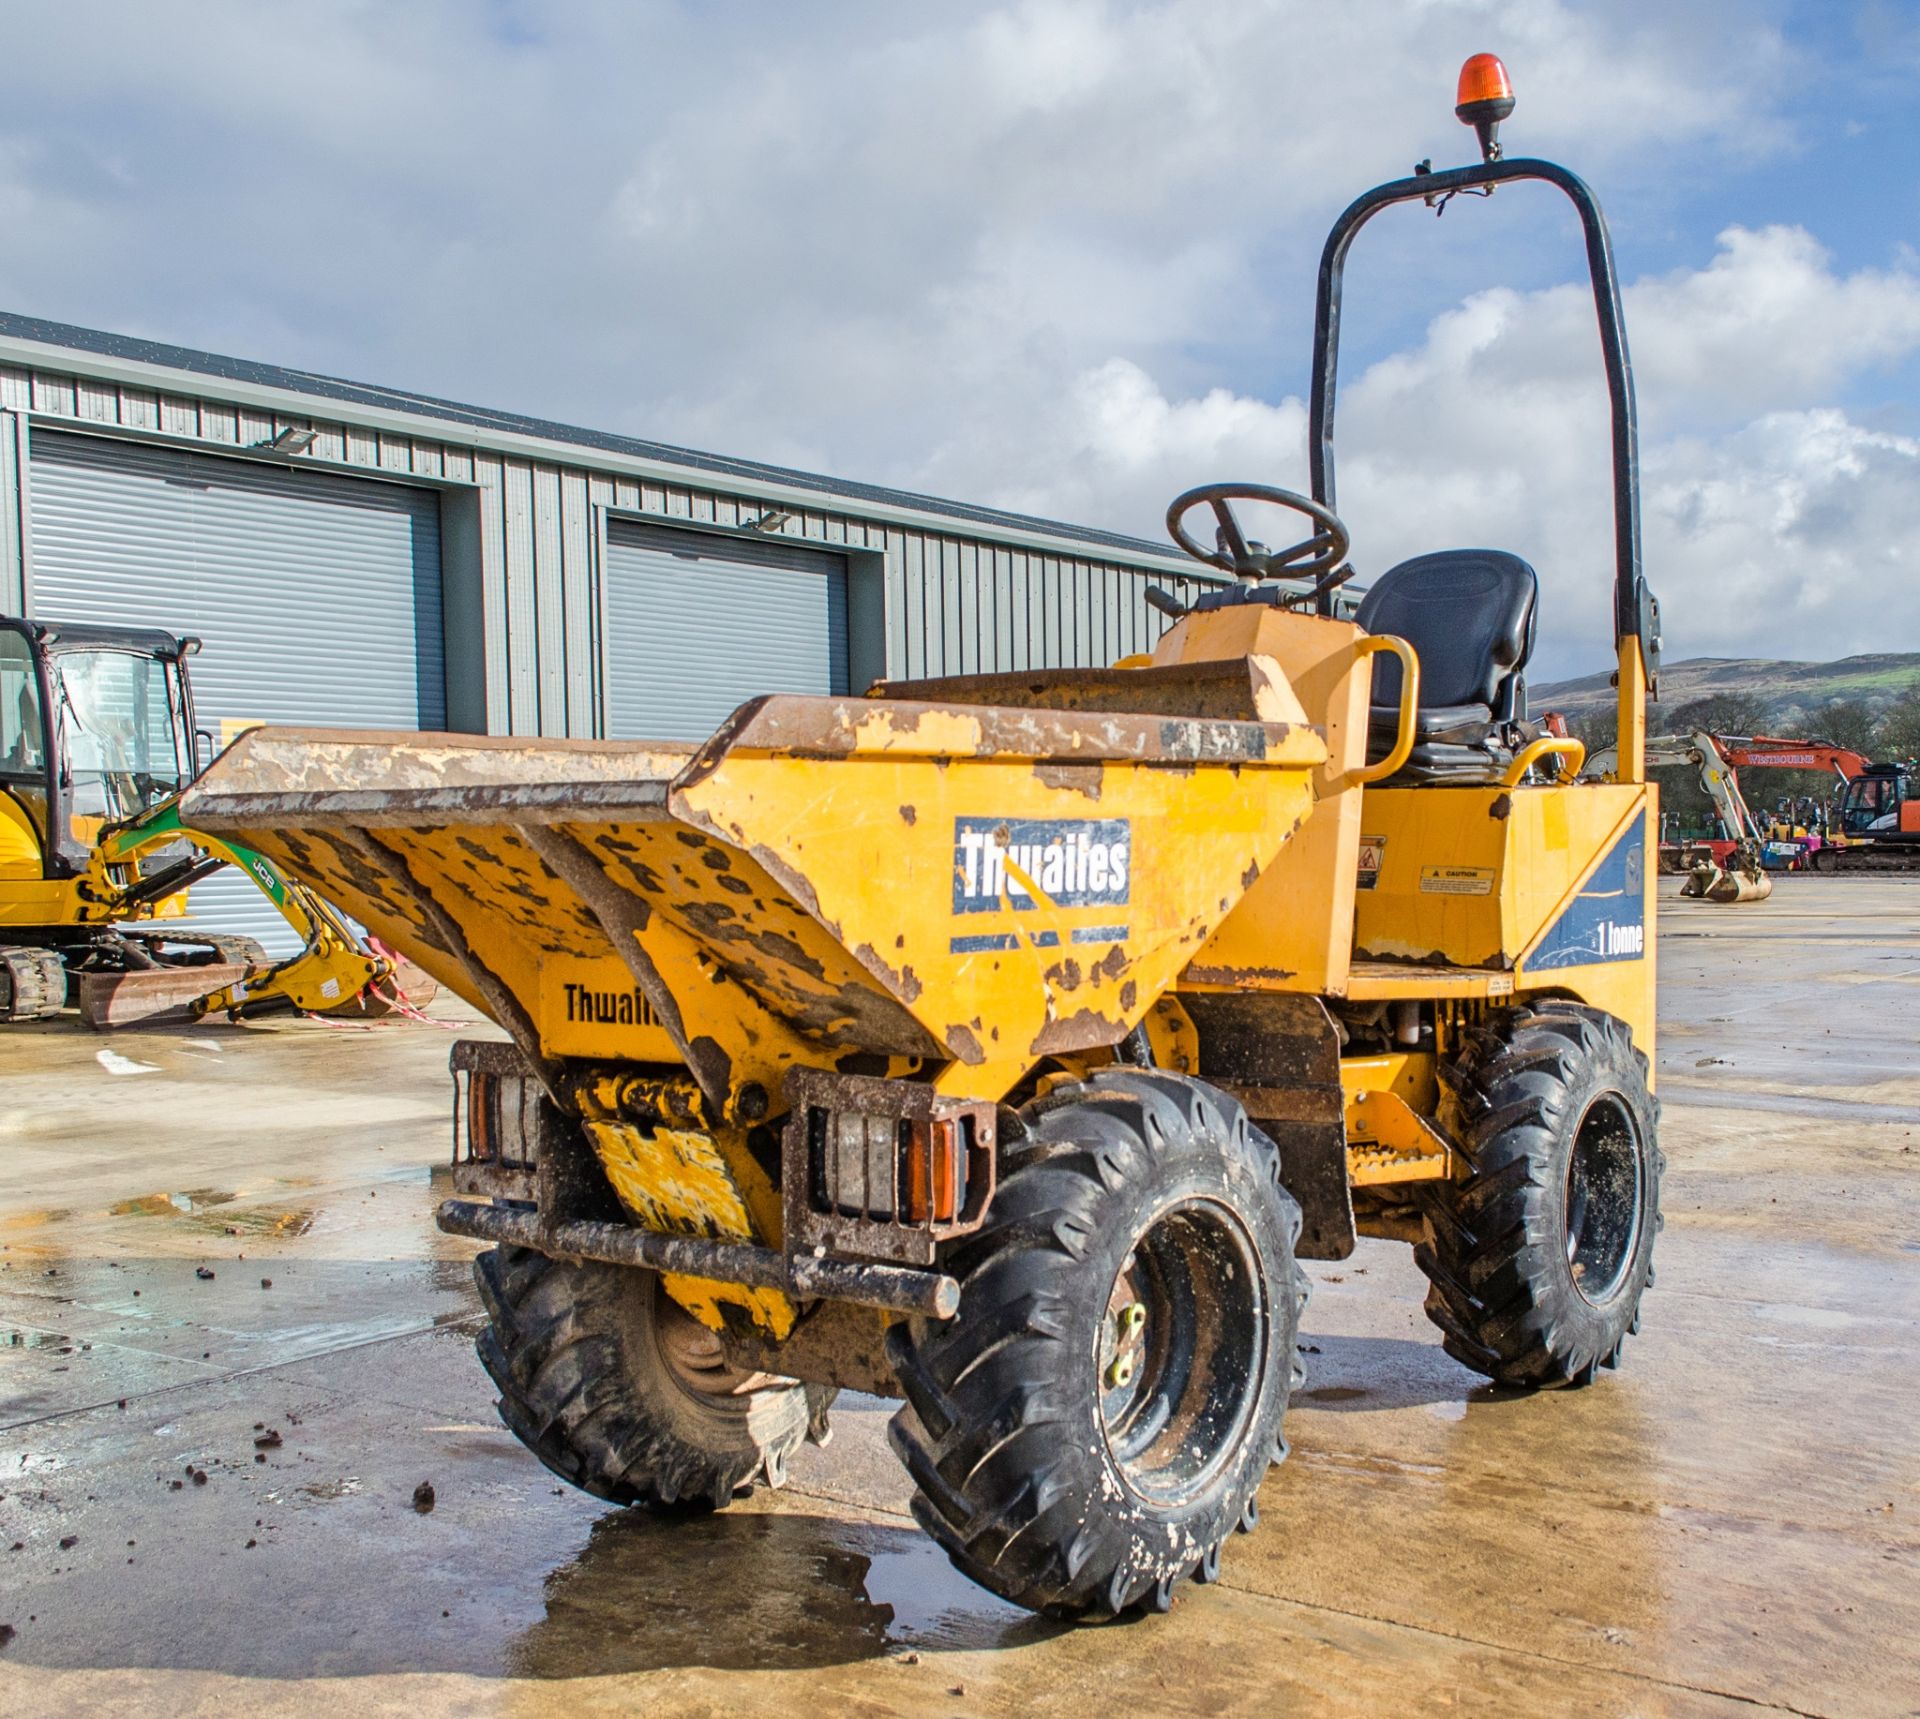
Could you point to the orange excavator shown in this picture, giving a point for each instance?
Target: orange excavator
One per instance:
(1749, 751)
(1875, 822)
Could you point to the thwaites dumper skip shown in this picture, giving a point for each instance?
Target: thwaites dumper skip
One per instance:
(999, 1044)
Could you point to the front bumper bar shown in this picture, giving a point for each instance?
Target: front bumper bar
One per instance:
(900, 1289)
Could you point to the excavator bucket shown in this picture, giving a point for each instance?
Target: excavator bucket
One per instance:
(154, 996)
(826, 879)
(1709, 883)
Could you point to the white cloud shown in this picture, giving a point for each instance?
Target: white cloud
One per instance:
(1051, 253)
(1783, 529)
(1799, 536)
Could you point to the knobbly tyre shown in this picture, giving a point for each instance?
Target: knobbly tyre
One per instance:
(1000, 1044)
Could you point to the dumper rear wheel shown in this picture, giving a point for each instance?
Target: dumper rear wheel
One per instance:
(620, 1391)
(1537, 1260)
(1095, 1422)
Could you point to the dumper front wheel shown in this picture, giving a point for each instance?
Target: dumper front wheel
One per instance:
(1094, 1423)
(620, 1391)
(1538, 1259)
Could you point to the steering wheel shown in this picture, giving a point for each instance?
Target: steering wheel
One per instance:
(1321, 557)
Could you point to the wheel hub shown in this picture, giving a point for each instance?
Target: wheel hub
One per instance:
(694, 1355)
(1605, 1197)
(1181, 1354)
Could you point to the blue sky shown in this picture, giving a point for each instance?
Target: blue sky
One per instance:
(1057, 254)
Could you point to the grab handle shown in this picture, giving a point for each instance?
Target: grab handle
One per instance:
(1547, 746)
(1409, 708)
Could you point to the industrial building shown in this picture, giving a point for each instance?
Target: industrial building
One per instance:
(359, 556)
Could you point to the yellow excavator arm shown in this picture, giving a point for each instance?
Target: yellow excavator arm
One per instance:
(334, 964)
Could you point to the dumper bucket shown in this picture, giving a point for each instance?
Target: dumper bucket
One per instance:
(827, 881)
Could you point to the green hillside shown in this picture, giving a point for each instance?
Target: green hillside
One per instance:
(1869, 703)
(1792, 696)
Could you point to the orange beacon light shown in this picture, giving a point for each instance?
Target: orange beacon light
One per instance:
(1485, 98)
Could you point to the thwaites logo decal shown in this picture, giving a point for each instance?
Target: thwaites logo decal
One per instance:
(625, 1007)
(1031, 863)
(1607, 920)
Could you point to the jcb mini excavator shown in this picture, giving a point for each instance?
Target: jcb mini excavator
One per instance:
(1000, 1043)
(97, 738)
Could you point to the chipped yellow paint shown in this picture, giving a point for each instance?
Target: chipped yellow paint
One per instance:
(1009, 981)
(675, 1181)
(932, 732)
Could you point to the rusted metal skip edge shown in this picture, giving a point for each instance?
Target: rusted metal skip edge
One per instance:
(519, 802)
(501, 1002)
(798, 725)
(899, 1289)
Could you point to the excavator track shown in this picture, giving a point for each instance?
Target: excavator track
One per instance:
(1879, 857)
(197, 949)
(33, 984)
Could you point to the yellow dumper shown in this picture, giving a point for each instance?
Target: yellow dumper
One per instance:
(999, 1044)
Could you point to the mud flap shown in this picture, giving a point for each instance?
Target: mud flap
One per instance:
(1280, 1056)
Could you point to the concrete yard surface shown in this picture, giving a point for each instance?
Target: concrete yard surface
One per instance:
(232, 1344)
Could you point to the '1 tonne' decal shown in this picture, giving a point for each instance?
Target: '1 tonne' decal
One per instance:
(1607, 920)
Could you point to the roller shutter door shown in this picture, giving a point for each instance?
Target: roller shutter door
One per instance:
(317, 596)
(696, 625)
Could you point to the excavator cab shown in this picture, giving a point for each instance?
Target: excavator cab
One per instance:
(97, 742)
(1875, 801)
(96, 727)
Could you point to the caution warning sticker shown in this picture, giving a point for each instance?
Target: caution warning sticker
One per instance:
(1373, 849)
(1456, 880)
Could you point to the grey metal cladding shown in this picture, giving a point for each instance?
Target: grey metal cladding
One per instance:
(317, 596)
(698, 624)
(213, 364)
(524, 527)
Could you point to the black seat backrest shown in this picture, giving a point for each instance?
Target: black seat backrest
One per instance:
(1469, 615)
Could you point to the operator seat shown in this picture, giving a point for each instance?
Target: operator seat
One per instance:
(1469, 615)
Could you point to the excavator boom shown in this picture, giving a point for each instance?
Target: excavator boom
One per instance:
(333, 966)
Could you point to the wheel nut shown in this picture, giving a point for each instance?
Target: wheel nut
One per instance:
(1132, 1318)
(1120, 1374)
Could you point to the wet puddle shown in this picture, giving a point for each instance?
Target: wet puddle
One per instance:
(59, 1342)
(261, 1223)
(207, 1209)
(824, 1591)
(933, 1605)
(164, 1205)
